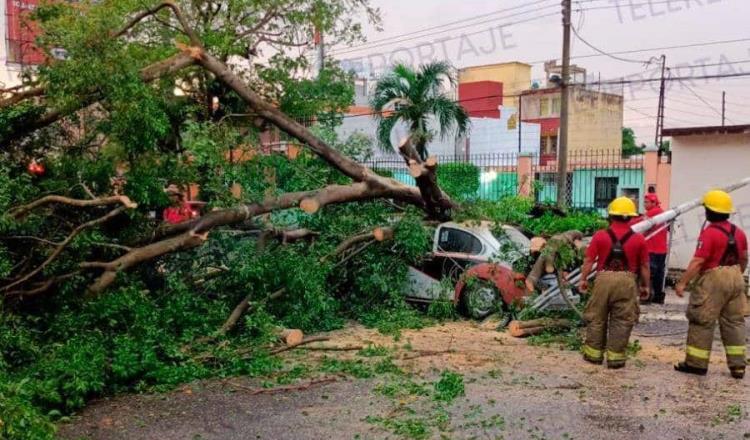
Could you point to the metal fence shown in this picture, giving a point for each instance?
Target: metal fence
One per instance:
(594, 178)
(498, 175)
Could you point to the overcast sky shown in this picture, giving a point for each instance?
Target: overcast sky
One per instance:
(530, 31)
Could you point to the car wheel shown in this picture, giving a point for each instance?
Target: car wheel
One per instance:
(481, 299)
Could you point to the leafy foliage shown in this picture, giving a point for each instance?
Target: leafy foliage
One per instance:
(517, 210)
(459, 180)
(629, 145)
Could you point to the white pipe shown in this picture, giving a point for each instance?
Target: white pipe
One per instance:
(666, 216)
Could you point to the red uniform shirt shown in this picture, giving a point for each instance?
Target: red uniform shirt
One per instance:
(658, 243)
(178, 214)
(635, 248)
(712, 243)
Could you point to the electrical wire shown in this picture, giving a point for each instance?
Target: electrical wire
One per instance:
(472, 18)
(701, 98)
(615, 57)
(538, 17)
(651, 49)
(631, 5)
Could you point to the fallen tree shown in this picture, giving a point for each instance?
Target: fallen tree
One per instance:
(366, 185)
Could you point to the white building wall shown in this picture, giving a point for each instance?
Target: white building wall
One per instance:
(700, 163)
(492, 136)
(9, 73)
(487, 136)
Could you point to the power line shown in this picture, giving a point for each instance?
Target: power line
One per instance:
(680, 78)
(615, 57)
(702, 99)
(631, 5)
(472, 18)
(688, 112)
(651, 49)
(389, 43)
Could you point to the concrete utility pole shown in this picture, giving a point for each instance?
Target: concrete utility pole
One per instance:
(723, 108)
(660, 111)
(562, 153)
(520, 107)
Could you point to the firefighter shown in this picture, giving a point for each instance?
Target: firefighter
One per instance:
(657, 249)
(612, 311)
(719, 261)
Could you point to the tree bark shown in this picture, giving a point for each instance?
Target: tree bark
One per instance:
(18, 96)
(521, 329)
(22, 210)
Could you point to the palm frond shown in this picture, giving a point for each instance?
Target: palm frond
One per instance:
(385, 127)
(450, 115)
(431, 77)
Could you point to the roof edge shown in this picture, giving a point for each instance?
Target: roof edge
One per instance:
(714, 129)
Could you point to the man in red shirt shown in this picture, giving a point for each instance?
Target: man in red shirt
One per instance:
(180, 209)
(612, 310)
(720, 259)
(657, 249)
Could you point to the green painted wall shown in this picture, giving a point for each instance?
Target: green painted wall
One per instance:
(583, 185)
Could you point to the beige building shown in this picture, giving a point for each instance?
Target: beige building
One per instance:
(595, 118)
(704, 158)
(515, 77)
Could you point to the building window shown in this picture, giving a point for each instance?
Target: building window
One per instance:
(552, 145)
(556, 105)
(456, 240)
(544, 107)
(605, 190)
(632, 193)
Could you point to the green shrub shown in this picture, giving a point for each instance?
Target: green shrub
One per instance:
(20, 419)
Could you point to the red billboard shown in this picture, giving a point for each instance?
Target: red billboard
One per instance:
(21, 32)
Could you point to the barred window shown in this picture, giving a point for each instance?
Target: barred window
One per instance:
(605, 190)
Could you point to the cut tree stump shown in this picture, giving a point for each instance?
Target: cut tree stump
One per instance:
(519, 329)
(290, 336)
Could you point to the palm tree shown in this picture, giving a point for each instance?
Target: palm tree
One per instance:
(412, 96)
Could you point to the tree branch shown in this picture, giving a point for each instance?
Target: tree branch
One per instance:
(42, 287)
(270, 15)
(149, 12)
(63, 244)
(22, 210)
(18, 96)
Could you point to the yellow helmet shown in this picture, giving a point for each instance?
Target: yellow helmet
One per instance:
(622, 206)
(718, 201)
